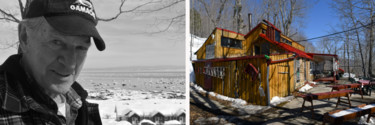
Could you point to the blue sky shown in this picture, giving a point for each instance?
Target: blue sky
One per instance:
(129, 38)
(320, 19)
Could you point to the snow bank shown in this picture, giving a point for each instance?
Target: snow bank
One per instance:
(221, 97)
(146, 121)
(249, 109)
(312, 82)
(277, 100)
(172, 122)
(239, 104)
(363, 121)
(113, 122)
(305, 88)
(197, 42)
(346, 75)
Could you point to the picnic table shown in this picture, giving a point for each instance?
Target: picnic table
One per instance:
(339, 116)
(367, 84)
(325, 95)
(348, 86)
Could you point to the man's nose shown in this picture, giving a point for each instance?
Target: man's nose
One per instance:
(68, 58)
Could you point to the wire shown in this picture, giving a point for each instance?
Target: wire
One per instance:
(335, 33)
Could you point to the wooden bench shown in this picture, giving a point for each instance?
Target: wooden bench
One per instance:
(325, 95)
(339, 116)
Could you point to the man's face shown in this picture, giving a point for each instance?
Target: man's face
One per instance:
(54, 59)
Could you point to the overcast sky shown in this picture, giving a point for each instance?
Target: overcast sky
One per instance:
(131, 39)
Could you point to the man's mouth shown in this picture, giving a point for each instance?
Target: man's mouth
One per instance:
(62, 74)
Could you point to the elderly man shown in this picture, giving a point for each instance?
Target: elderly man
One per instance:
(37, 86)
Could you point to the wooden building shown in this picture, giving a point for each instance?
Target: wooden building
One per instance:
(130, 116)
(180, 116)
(157, 117)
(255, 67)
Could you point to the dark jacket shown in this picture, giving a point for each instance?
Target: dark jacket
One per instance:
(23, 102)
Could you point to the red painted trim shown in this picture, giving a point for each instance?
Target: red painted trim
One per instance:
(281, 54)
(229, 31)
(252, 30)
(272, 26)
(231, 59)
(341, 70)
(320, 54)
(283, 60)
(286, 47)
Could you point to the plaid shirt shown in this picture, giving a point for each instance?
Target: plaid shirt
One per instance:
(23, 103)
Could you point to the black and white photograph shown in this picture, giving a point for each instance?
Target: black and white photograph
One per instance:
(92, 62)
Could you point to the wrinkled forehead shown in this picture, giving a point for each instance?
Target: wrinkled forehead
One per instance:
(47, 32)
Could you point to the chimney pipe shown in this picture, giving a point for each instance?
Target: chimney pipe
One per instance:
(249, 19)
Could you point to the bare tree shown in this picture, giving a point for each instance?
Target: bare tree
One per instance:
(214, 17)
(353, 11)
(237, 17)
(157, 5)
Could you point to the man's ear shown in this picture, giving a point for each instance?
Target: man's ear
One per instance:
(22, 36)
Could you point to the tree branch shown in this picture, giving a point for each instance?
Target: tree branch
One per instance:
(9, 17)
(161, 8)
(172, 21)
(136, 9)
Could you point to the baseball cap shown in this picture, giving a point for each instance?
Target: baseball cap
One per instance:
(70, 17)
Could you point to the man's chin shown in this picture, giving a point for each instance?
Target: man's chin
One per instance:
(60, 88)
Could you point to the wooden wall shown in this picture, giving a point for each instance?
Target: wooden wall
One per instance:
(236, 80)
(281, 76)
(225, 52)
(294, 44)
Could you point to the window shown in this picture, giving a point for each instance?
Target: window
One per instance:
(232, 43)
(265, 49)
(277, 36)
(257, 50)
(263, 31)
(287, 41)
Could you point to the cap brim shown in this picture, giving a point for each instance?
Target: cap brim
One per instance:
(76, 25)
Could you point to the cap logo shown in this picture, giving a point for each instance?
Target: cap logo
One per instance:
(83, 6)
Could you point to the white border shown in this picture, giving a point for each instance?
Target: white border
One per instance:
(187, 60)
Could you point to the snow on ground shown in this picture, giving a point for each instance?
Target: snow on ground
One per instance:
(305, 88)
(277, 100)
(140, 102)
(241, 104)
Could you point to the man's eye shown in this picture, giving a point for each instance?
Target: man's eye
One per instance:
(82, 48)
(57, 42)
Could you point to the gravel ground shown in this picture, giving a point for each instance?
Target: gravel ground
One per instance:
(286, 113)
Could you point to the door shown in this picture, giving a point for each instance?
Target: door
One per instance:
(207, 77)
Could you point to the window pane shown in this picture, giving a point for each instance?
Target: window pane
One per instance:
(232, 43)
(277, 36)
